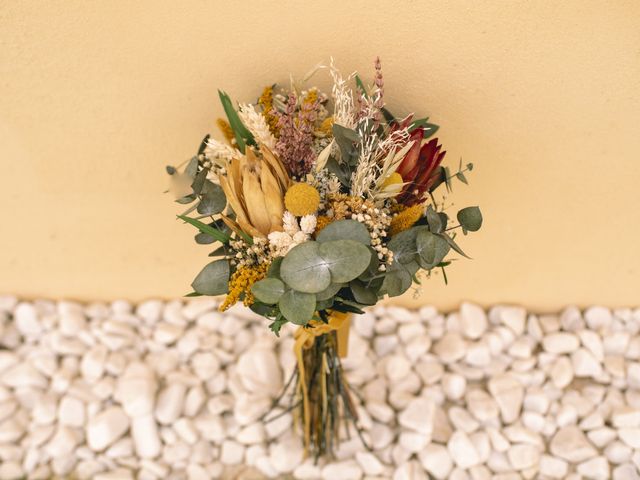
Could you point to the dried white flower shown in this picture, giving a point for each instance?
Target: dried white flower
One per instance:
(257, 125)
(289, 223)
(308, 224)
(220, 153)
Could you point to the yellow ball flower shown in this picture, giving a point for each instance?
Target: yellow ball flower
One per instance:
(406, 219)
(302, 199)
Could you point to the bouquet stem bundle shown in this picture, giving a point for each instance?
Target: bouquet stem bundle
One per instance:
(321, 397)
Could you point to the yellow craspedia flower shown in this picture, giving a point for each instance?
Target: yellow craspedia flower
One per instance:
(302, 199)
(406, 219)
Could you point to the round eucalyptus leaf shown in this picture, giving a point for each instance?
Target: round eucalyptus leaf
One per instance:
(329, 292)
(396, 282)
(297, 307)
(274, 268)
(470, 218)
(431, 249)
(268, 290)
(304, 268)
(213, 279)
(372, 270)
(362, 293)
(346, 259)
(213, 199)
(345, 230)
(403, 245)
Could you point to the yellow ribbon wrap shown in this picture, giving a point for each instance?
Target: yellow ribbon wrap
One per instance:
(304, 338)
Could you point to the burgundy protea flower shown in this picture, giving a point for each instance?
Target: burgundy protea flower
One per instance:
(419, 168)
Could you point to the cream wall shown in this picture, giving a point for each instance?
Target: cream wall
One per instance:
(543, 96)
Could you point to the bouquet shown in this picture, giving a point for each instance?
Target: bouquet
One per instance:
(320, 205)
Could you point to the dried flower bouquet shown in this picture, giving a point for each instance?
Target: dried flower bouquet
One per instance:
(320, 205)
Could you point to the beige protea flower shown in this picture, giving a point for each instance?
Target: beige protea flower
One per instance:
(255, 187)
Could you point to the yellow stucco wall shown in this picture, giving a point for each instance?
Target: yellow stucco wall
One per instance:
(543, 96)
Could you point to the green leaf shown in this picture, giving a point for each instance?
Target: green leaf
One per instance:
(403, 244)
(447, 178)
(170, 169)
(470, 218)
(388, 116)
(186, 199)
(274, 268)
(460, 176)
(434, 220)
(304, 269)
(213, 199)
(421, 122)
(470, 166)
(204, 228)
(362, 294)
(346, 138)
(198, 181)
(329, 292)
(213, 279)
(277, 325)
(268, 290)
(454, 245)
(345, 230)
(361, 86)
(429, 130)
(193, 294)
(431, 249)
(243, 136)
(192, 167)
(396, 281)
(297, 307)
(372, 270)
(346, 259)
(203, 144)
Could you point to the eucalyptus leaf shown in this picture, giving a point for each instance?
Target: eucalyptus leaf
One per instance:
(329, 292)
(346, 259)
(198, 181)
(186, 199)
(403, 244)
(274, 268)
(324, 304)
(462, 178)
(268, 290)
(362, 294)
(470, 218)
(297, 307)
(213, 279)
(433, 219)
(305, 269)
(213, 199)
(454, 245)
(171, 170)
(345, 230)
(345, 138)
(396, 282)
(432, 249)
(192, 167)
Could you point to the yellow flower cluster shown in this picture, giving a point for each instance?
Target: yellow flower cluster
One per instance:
(302, 199)
(326, 127)
(266, 102)
(406, 219)
(321, 222)
(344, 205)
(226, 130)
(241, 282)
(311, 96)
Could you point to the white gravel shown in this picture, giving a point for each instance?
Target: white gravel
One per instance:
(173, 390)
